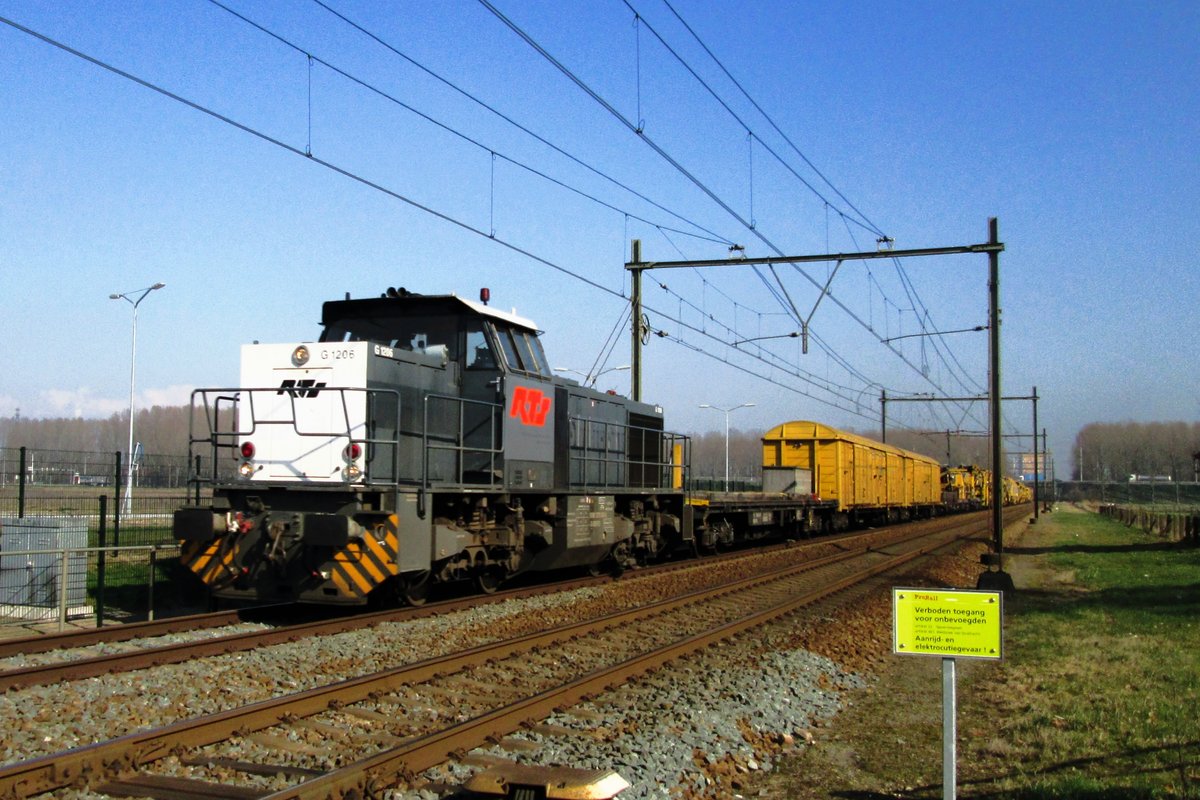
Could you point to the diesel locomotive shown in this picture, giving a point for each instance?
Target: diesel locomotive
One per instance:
(420, 439)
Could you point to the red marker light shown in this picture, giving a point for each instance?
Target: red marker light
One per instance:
(247, 449)
(485, 294)
(352, 452)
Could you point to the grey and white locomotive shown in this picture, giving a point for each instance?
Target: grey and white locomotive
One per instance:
(421, 439)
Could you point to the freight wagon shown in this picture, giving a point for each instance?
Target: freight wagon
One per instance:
(871, 482)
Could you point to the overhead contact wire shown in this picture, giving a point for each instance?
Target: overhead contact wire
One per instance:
(431, 120)
(300, 152)
(869, 225)
(914, 298)
(746, 126)
(715, 237)
(782, 294)
(329, 166)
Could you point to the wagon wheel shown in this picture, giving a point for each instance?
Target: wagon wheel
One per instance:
(722, 536)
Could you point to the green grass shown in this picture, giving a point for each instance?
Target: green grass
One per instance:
(1098, 694)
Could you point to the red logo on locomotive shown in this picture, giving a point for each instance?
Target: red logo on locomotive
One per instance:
(530, 405)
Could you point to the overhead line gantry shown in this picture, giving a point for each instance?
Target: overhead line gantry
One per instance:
(993, 247)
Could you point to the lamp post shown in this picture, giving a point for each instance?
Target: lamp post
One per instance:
(726, 411)
(128, 297)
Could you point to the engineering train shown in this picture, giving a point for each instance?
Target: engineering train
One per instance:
(424, 439)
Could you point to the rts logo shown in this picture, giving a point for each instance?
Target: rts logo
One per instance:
(305, 388)
(530, 405)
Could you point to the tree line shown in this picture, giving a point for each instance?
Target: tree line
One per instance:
(1117, 451)
(162, 430)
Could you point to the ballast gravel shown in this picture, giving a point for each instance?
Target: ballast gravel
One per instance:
(687, 731)
(45, 719)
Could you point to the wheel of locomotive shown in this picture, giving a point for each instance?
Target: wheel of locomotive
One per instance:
(609, 565)
(415, 588)
(488, 579)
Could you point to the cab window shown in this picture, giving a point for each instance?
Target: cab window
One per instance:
(479, 350)
(510, 350)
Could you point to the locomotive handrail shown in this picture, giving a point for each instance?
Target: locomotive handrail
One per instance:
(458, 445)
(244, 397)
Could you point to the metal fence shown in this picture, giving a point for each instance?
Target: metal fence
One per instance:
(72, 553)
(1179, 494)
(36, 467)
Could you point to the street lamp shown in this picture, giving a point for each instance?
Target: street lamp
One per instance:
(726, 412)
(128, 297)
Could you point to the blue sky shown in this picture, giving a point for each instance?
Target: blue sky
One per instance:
(1076, 124)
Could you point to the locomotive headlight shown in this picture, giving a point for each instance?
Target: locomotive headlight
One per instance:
(247, 451)
(351, 454)
(300, 356)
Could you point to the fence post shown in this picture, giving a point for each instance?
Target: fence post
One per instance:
(62, 590)
(153, 564)
(21, 485)
(117, 504)
(102, 535)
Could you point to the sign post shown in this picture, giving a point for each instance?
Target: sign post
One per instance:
(950, 624)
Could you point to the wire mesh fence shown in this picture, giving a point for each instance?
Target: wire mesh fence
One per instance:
(37, 467)
(73, 553)
(1165, 494)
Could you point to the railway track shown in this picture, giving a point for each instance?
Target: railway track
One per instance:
(44, 643)
(391, 725)
(143, 652)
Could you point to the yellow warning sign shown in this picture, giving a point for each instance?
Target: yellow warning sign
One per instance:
(947, 623)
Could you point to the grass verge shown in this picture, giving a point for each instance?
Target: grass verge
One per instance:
(1096, 696)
